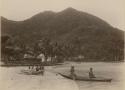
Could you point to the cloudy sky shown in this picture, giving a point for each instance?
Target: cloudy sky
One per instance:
(112, 11)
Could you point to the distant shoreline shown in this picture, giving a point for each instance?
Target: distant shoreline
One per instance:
(14, 65)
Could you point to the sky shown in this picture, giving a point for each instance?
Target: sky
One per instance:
(112, 11)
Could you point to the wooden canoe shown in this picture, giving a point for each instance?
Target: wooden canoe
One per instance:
(80, 78)
(30, 72)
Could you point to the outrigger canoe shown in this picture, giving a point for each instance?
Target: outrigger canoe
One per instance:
(80, 78)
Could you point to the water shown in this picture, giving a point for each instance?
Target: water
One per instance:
(12, 79)
(114, 71)
(107, 70)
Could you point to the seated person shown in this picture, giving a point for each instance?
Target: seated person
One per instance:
(72, 72)
(42, 69)
(91, 74)
(37, 68)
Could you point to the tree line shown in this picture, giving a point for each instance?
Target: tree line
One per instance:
(12, 48)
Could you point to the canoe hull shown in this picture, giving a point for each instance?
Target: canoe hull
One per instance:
(79, 78)
(31, 72)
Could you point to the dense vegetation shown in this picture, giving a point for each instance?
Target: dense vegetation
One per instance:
(69, 33)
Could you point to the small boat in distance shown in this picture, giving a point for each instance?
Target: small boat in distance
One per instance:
(31, 72)
(80, 78)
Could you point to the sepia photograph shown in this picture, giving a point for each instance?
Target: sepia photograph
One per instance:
(62, 45)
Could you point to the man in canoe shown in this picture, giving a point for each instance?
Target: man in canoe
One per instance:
(91, 74)
(72, 72)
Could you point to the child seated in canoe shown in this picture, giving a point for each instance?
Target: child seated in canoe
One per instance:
(91, 74)
(72, 72)
(37, 68)
(42, 70)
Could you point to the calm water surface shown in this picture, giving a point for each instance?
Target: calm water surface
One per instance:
(101, 69)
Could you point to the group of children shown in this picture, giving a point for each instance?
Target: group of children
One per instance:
(37, 68)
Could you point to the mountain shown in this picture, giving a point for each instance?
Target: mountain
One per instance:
(94, 36)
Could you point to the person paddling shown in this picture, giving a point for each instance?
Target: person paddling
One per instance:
(72, 72)
(91, 74)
